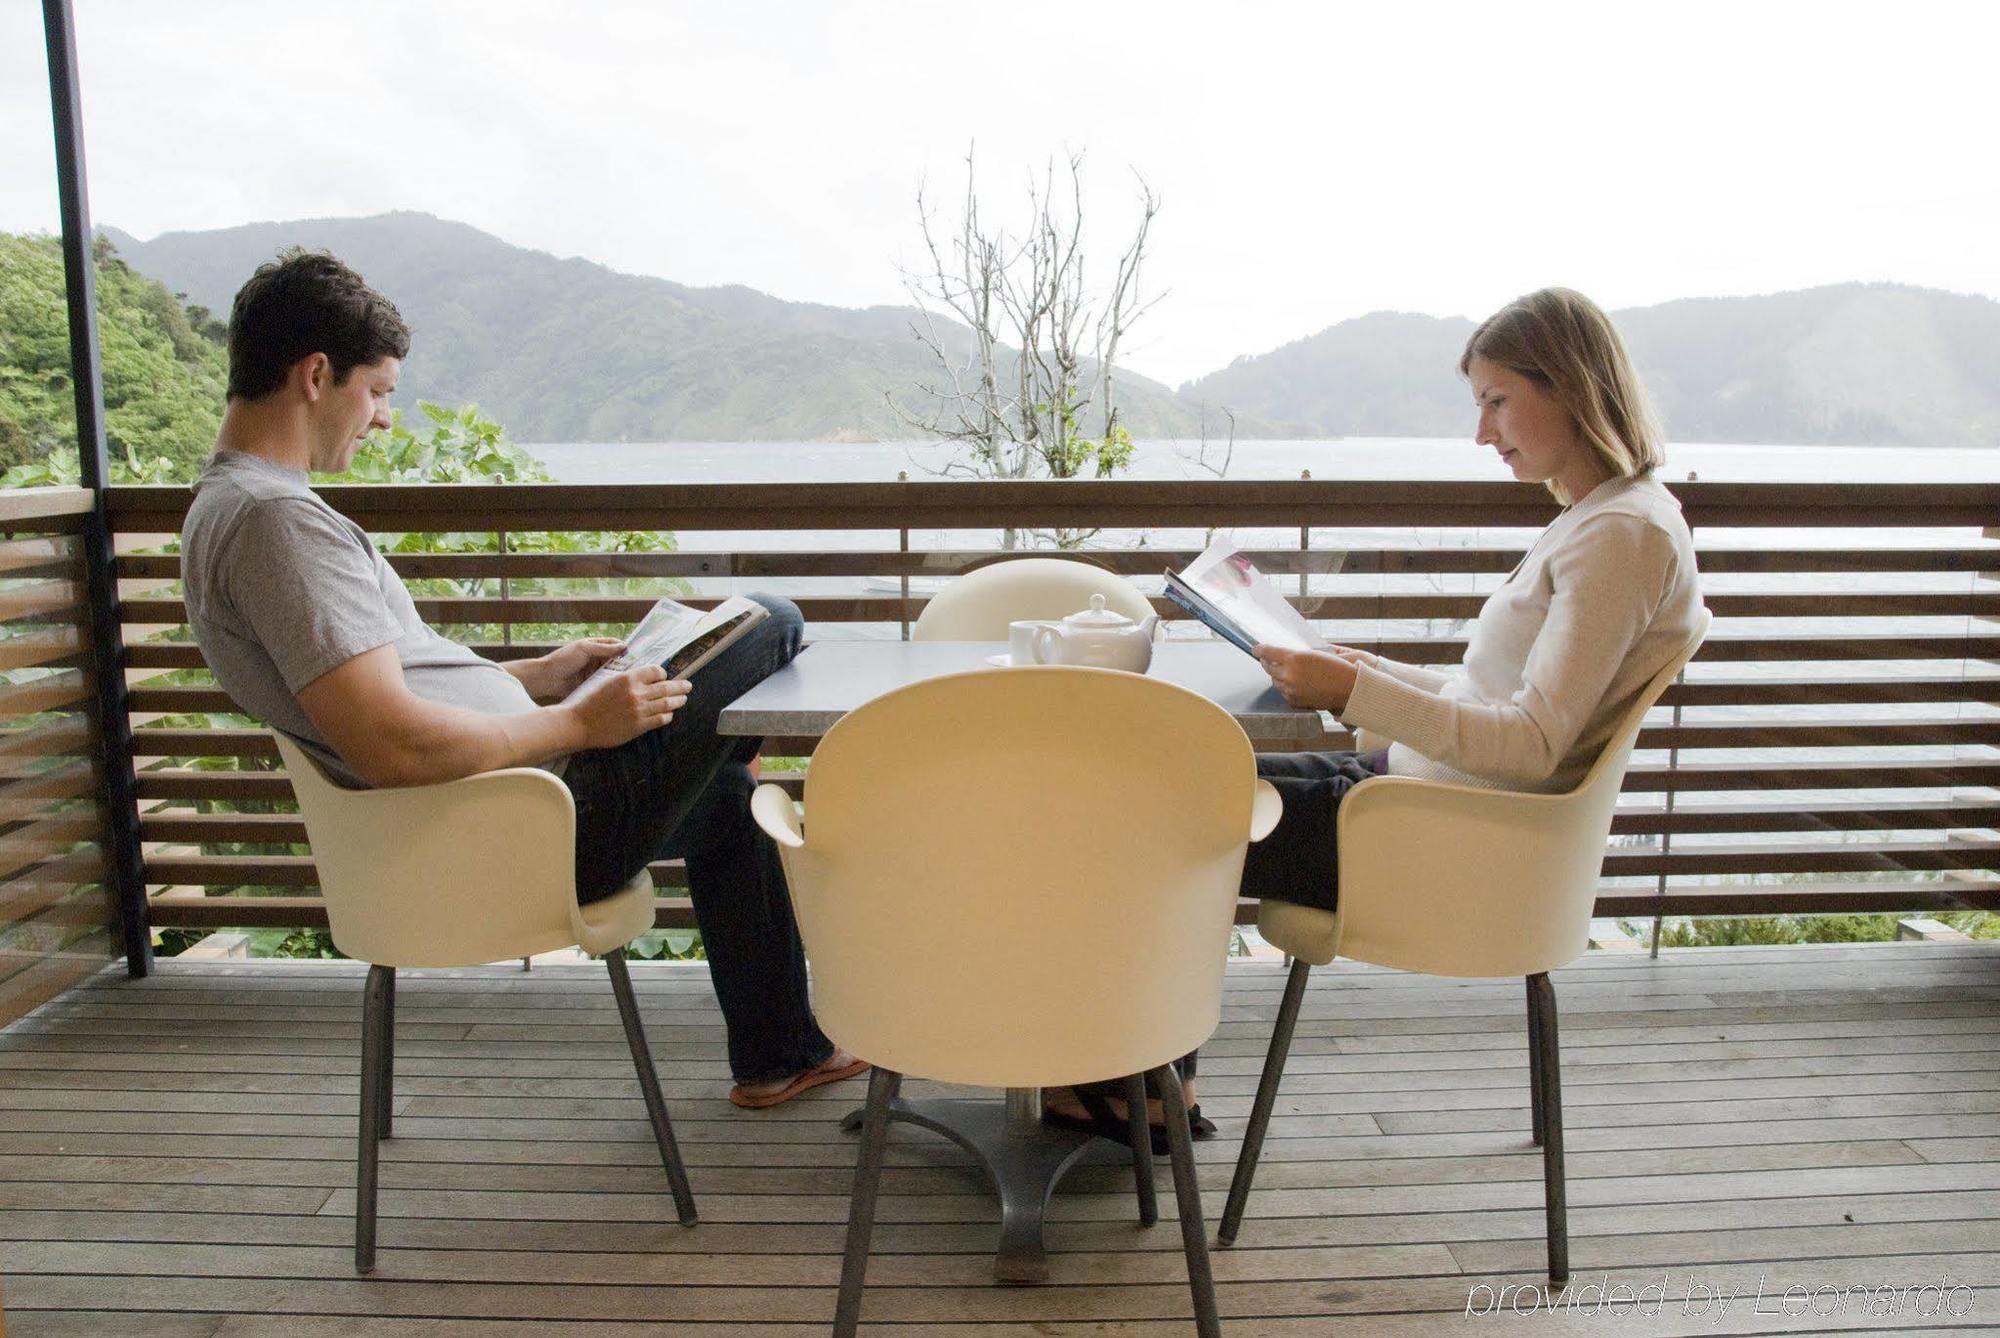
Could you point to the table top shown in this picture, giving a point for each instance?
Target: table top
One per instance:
(831, 678)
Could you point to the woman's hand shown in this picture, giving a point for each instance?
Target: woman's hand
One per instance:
(1314, 679)
(562, 671)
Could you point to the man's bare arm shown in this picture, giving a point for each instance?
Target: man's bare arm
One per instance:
(390, 736)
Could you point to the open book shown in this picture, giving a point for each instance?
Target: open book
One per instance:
(680, 638)
(1225, 590)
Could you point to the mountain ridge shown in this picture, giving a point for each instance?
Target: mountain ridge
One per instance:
(567, 349)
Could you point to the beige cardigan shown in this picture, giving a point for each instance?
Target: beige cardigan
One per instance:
(1604, 599)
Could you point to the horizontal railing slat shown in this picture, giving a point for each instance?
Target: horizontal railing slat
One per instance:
(158, 612)
(1472, 559)
(1077, 503)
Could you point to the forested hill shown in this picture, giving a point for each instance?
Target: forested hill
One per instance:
(1861, 364)
(567, 350)
(164, 366)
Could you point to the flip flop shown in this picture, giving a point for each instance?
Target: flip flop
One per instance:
(1106, 1124)
(805, 1082)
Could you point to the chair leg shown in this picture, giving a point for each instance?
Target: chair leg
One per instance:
(1141, 1135)
(882, 1085)
(1536, 1122)
(386, 1118)
(1542, 997)
(1267, 1097)
(649, 1085)
(374, 1013)
(1187, 1195)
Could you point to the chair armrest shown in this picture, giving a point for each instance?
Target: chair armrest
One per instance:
(478, 869)
(1460, 880)
(775, 813)
(1265, 810)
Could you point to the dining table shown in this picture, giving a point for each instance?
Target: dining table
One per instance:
(1024, 1157)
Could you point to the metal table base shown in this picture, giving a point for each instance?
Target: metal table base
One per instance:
(1024, 1158)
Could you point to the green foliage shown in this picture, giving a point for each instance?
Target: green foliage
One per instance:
(461, 446)
(1770, 930)
(668, 945)
(163, 365)
(1973, 924)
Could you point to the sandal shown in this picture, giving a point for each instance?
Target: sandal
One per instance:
(1107, 1123)
(804, 1082)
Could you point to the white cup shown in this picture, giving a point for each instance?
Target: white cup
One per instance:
(1021, 639)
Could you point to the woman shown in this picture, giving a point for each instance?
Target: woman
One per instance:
(1605, 597)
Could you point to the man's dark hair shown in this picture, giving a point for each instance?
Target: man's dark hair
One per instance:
(302, 303)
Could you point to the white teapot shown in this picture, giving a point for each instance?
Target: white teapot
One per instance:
(1098, 638)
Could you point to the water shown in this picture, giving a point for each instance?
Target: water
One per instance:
(1343, 458)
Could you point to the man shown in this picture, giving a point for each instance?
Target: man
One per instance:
(305, 625)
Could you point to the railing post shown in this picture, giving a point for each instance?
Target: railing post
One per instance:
(107, 653)
(1667, 832)
(903, 538)
(506, 594)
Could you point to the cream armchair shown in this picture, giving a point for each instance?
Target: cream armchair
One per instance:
(1457, 881)
(1023, 878)
(979, 605)
(472, 871)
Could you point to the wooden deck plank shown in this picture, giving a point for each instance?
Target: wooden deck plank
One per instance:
(175, 1159)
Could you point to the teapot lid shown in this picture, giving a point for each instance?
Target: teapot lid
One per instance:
(1098, 616)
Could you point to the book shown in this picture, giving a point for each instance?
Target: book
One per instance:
(1224, 589)
(681, 639)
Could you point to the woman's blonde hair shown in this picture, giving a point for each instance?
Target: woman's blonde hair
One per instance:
(1563, 341)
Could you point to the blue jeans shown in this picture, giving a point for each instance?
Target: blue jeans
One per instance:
(683, 792)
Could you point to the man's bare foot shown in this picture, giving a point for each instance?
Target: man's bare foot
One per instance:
(776, 1091)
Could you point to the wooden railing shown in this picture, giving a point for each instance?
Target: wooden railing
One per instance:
(55, 916)
(1836, 745)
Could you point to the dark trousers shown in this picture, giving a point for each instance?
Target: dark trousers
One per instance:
(1298, 861)
(684, 792)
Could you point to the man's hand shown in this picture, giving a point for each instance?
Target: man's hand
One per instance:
(554, 676)
(627, 705)
(1315, 679)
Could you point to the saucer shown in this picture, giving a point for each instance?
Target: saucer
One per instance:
(1003, 661)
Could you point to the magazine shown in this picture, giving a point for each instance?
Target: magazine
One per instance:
(681, 639)
(1224, 589)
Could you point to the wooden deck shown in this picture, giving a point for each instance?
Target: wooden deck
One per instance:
(176, 1162)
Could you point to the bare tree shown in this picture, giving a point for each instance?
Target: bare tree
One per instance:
(1033, 392)
(1211, 458)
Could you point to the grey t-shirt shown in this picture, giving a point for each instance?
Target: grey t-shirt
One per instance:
(282, 588)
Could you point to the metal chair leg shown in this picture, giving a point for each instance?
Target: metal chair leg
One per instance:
(1187, 1194)
(1536, 1120)
(1267, 1097)
(386, 1119)
(374, 1012)
(649, 1085)
(1542, 997)
(1140, 1132)
(882, 1085)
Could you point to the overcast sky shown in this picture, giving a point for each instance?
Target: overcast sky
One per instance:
(1315, 160)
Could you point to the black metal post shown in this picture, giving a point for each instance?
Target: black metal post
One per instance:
(107, 651)
(1542, 998)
